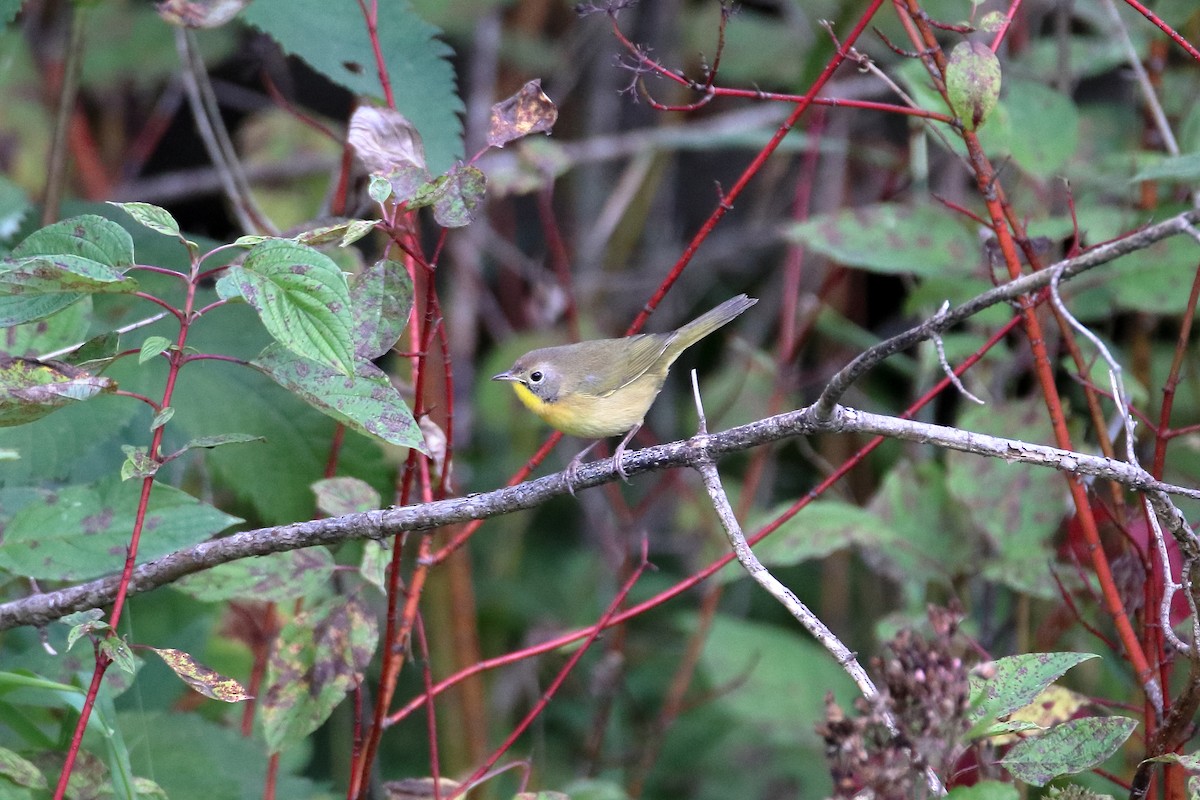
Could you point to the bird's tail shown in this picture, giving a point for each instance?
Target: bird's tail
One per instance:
(708, 322)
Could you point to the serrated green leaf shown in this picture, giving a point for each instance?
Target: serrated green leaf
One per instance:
(893, 238)
(81, 532)
(1015, 681)
(318, 657)
(32, 389)
(366, 402)
(1066, 749)
(381, 298)
(303, 300)
(153, 217)
(60, 274)
(87, 236)
(332, 37)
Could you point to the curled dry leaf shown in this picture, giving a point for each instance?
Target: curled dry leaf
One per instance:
(528, 111)
(435, 440)
(385, 141)
(200, 13)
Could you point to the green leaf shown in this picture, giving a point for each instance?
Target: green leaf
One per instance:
(277, 578)
(1066, 749)
(81, 532)
(930, 543)
(18, 770)
(1182, 169)
(763, 660)
(379, 188)
(97, 352)
(155, 218)
(972, 82)
(14, 205)
(1015, 506)
(318, 657)
(208, 442)
(32, 389)
(985, 790)
(303, 300)
(60, 274)
(366, 402)
(87, 236)
(1015, 681)
(820, 529)
(65, 328)
(331, 36)
(151, 347)
(339, 496)
(345, 232)
(84, 623)
(79, 243)
(138, 463)
(381, 299)
(162, 418)
(454, 196)
(1045, 127)
(216, 763)
(893, 238)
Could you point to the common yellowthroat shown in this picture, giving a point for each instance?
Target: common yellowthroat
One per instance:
(605, 387)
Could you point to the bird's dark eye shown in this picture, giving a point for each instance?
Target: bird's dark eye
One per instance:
(535, 377)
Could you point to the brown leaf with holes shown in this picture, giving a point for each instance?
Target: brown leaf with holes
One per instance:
(528, 111)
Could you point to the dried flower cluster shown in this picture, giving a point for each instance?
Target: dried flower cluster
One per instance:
(926, 693)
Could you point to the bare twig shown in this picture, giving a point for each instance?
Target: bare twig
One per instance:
(706, 465)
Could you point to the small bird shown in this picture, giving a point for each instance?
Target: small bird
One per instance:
(605, 387)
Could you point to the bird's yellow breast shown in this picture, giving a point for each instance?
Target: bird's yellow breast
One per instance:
(595, 416)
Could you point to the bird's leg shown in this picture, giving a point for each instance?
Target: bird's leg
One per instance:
(620, 451)
(574, 464)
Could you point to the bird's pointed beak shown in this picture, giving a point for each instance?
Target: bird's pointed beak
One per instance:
(504, 376)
